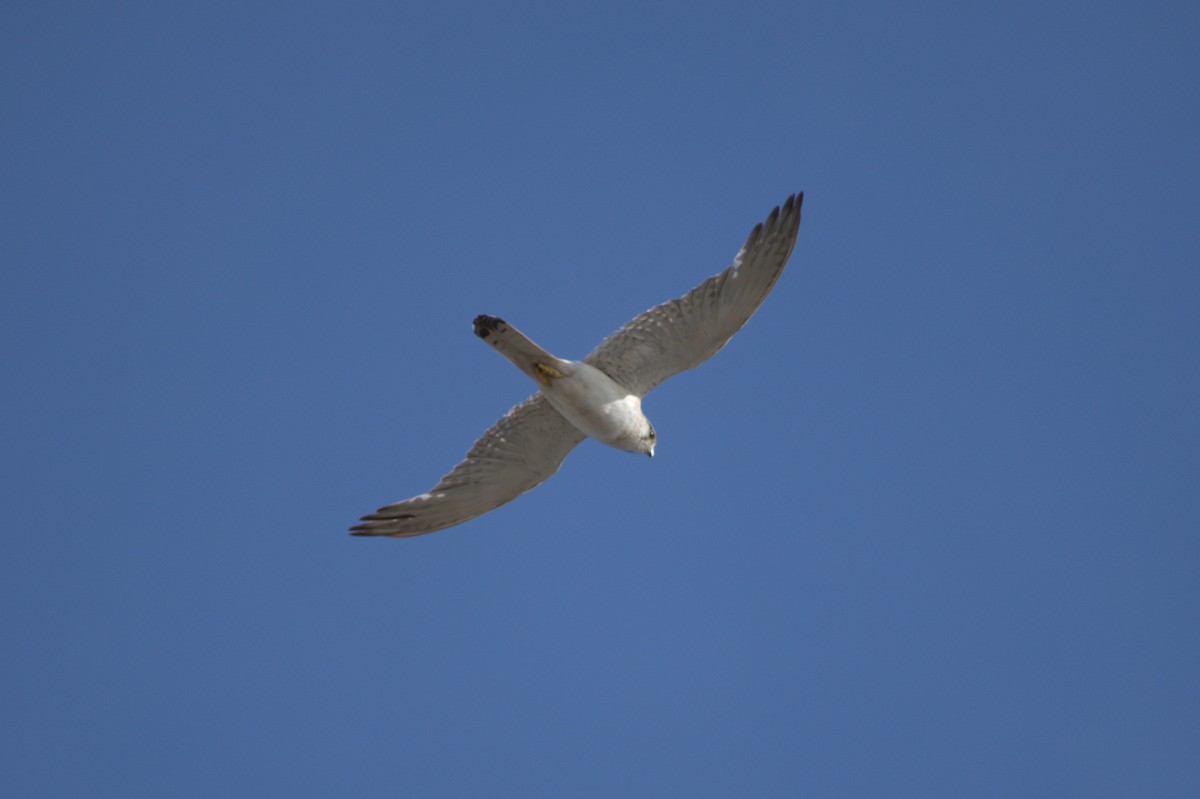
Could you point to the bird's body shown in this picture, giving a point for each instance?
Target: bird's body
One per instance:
(593, 402)
(600, 396)
(602, 409)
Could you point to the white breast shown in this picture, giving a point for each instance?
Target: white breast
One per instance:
(598, 406)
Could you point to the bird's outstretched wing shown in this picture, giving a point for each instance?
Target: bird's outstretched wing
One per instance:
(687, 331)
(518, 453)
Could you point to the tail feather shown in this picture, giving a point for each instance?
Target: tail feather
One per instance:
(517, 347)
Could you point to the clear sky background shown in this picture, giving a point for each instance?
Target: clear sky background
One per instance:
(928, 526)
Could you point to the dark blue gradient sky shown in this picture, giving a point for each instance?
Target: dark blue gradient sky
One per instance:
(928, 526)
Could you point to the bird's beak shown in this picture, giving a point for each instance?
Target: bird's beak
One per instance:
(650, 453)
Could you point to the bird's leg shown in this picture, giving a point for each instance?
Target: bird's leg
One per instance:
(546, 373)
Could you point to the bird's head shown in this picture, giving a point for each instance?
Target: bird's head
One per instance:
(639, 440)
(648, 440)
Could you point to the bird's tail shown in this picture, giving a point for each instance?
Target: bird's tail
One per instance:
(518, 348)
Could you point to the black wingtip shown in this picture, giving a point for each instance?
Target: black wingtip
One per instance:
(366, 530)
(790, 207)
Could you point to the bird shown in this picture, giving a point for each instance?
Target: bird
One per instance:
(599, 397)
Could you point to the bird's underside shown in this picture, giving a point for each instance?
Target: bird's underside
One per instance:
(600, 395)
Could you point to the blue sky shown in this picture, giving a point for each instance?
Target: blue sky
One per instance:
(928, 526)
